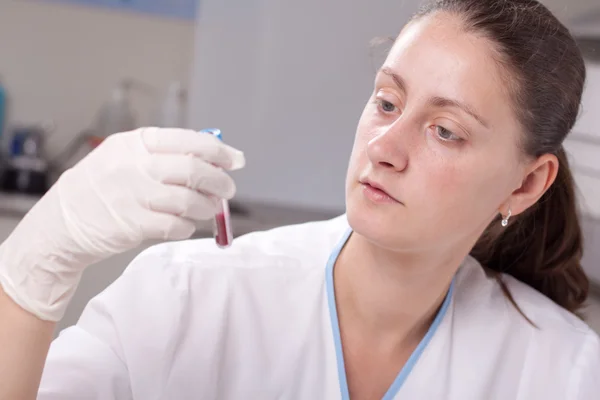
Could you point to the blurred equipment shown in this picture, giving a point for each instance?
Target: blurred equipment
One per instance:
(2, 109)
(172, 111)
(116, 114)
(26, 169)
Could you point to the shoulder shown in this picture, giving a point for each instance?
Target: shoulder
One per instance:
(197, 282)
(557, 340)
(301, 245)
(560, 341)
(473, 281)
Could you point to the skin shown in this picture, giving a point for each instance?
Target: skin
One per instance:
(24, 340)
(402, 252)
(449, 174)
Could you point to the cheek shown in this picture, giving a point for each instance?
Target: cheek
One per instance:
(468, 192)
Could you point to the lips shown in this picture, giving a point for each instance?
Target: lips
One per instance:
(377, 192)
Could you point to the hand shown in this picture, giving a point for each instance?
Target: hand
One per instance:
(150, 183)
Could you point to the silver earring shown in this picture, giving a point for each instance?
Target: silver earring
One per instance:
(506, 218)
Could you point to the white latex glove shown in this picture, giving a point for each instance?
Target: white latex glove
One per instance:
(150, 183)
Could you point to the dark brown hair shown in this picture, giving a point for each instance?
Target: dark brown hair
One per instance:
(545, 75)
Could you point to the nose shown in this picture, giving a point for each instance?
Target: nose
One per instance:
(389, 148)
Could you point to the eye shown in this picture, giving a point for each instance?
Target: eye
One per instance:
(446, 135)
(386, 106)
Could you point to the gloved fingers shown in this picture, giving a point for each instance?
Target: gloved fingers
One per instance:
(192, 172)
(182, 202)
(185, 141)
(160, 226)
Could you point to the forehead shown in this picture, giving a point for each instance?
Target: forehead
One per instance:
(437, 57)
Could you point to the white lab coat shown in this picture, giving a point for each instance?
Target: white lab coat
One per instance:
(257, 321)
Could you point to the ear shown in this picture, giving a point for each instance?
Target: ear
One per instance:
(538, 178)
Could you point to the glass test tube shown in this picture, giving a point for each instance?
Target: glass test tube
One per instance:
(222, 223)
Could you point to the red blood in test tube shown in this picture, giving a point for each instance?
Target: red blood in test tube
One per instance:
(222, 234)
(222, 224)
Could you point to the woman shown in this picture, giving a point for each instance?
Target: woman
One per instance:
(454, 274)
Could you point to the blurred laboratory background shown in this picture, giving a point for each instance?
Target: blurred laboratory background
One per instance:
(273, 75)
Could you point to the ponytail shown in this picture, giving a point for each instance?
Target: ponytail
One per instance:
(543, 246)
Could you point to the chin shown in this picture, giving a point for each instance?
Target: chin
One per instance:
(380, 225)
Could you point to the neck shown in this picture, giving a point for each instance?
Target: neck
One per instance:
(382, 293)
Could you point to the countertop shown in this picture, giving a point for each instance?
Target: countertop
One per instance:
(245, 216)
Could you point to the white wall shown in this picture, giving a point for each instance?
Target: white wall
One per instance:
(287, 81)
(287, 85)
(59, 61)
(585, 155)
(569, 10)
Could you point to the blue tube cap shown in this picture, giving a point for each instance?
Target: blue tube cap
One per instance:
(213, 131)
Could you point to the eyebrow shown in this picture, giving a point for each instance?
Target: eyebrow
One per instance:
(397, 79)
(441, 102)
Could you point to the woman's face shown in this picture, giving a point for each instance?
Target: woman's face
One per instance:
(438, 135)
